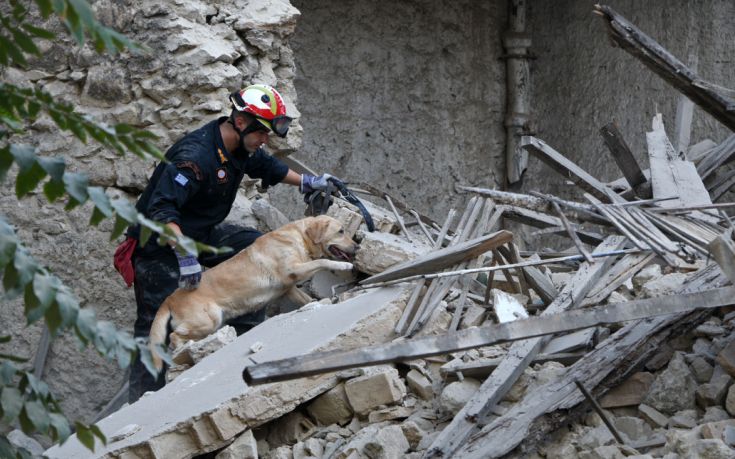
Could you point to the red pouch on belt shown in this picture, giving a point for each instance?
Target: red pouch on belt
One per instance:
(123, 260)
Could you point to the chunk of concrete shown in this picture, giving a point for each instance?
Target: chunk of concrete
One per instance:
(674, 388)
(192, 352)
(383, 387)
(726, 358)
(701, 369)
(664, 285)
(389, 442)
(389, 414)
(208, 405)
(244, 447)
(634, 428)
(714, 392)
(730, 401)
(457, 394)
(310, 448)
(332, 407)
(653, 416)
(420, 384)
(473, 316)
(269, 215)
(630, 392)
(646, 275)
(379, 251)
(413, 433)
(716, 429)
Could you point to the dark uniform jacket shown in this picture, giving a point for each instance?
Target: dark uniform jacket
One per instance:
(197, 187)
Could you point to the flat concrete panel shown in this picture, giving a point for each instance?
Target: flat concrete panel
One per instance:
(217, 379)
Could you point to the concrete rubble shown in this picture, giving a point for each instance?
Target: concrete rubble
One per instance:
(665, 391)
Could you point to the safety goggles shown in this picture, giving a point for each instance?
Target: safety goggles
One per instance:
(280, 125)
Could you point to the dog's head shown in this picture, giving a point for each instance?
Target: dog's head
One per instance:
(330, 238)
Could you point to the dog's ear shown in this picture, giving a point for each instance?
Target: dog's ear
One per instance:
(316, 230)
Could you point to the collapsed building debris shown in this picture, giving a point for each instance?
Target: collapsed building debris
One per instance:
(425, 353)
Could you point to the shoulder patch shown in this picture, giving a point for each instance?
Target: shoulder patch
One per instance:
(194, 167)
(181, 179)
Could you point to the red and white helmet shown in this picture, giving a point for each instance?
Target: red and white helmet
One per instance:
(265, 104)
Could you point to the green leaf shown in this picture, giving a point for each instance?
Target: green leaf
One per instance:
(11, 402)
(25, 155)
(6, 449)
(34, 310)
(72, 22)
(44, 6)
(98, 433)
(39, 32)
(76, 186)
(84, 435)
(25, 42)
(54, 167)
(37, 415)
(145, 234)
(26, 267)
(68, 308)
(5, 339)
(6, 160)
(54, 190)
(61, 427)
(86, 324)
(14, 53)
(12, 358)
(147, 360)
(119, 228)
(28, 179)
(8, 244)
(39, 387)
(101, 201)
(45, 286)
(7, 372)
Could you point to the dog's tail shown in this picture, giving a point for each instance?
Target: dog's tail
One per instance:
(157, 336)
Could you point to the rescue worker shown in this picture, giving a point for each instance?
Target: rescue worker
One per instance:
(193, 193)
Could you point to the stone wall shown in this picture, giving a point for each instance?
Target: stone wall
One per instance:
(409, 96)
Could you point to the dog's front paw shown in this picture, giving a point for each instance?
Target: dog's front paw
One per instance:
(343, 266)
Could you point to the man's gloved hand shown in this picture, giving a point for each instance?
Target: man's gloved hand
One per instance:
(310, 183)
(190, 272)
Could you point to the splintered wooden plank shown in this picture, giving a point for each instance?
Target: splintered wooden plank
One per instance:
(554, 404)
(519, 356)
(673, 176)
(616, 276)
(622, 155)
(716, 157)
(440, 259)
(524, 329)
(541, 220)
(568, 169)
(718, 102)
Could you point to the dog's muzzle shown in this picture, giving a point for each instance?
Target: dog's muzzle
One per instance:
(340, 254)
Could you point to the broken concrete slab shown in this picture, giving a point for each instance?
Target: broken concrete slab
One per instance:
(194, 351)
(630, 392)
(244, 447)
(420, 384)
(380, 251)
(268, 214)
(382, 386)
(210, 404)
(290, 429)
(674, 388)
(332, 407)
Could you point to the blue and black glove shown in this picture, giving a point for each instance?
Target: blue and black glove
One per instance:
(190, 272)
(310, 183)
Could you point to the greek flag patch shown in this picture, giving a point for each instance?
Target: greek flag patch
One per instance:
(181, 179)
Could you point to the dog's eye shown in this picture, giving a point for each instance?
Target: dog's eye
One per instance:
(341, 231)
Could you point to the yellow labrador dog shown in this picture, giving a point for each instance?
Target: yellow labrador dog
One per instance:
(269, 268)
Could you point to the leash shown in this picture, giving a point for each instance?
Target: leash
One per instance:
(319, 201)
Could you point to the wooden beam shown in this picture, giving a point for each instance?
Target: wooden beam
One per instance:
(568, 169)
(721, 154)
(324, 362)
(622, 155)
(440, 259)
(717, 102)
(673, 176)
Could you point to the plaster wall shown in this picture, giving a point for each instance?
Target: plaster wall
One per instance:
(581, 82)
(408, 96)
